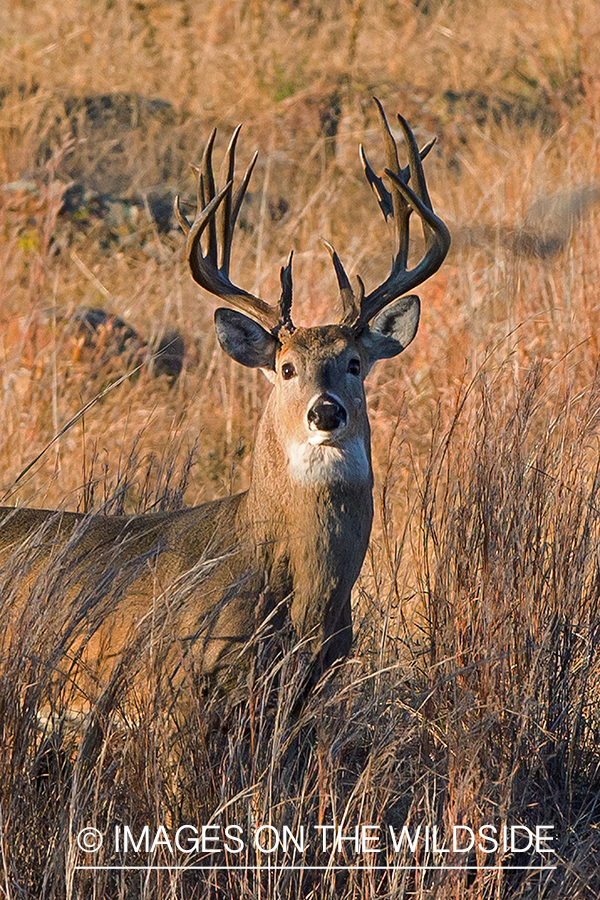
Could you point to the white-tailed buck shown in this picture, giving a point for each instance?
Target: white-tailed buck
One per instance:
(291, 547)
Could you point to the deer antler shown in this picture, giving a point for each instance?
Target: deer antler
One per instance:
(397, 204)
(217, 213)
(216, 216)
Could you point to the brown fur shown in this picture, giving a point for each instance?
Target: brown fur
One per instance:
(279, 550)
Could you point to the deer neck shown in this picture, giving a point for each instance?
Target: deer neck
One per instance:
(300, 489)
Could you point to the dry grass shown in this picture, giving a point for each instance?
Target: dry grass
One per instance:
(472, 695)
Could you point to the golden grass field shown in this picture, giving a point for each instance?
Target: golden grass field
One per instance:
(472, 694)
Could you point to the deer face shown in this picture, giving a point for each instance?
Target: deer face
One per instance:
(318, 379)
(318, 406)
(319, 398)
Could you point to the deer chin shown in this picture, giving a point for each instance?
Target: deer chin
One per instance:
(326, 438)
(322, 462)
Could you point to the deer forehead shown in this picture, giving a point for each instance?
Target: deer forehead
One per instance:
(319, 344)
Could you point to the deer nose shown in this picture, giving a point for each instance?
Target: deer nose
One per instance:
(326, 414)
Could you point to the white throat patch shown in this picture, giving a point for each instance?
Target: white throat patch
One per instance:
(314, 463)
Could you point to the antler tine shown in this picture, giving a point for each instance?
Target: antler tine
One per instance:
(350, 305)
(399, 204)
(414, 163)
(223, 215)
(384, 197)
(285, 302)
(400, 211)
(206, 193)
(217, 212)
(232, 204)
(390, 202)
(182, 219)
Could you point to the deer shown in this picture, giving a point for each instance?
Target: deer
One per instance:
(287, 551)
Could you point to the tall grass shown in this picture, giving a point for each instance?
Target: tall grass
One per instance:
(476, 704)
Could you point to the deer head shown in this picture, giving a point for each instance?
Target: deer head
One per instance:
(318, 372)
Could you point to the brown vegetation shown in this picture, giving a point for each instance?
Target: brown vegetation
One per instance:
(472, 692)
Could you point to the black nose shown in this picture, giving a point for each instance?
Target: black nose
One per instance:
(327, 414)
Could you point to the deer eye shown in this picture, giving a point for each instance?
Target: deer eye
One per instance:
(354, 367)
(288, 371)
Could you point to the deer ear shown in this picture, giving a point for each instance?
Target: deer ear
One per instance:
(245, 340)
(393, 329)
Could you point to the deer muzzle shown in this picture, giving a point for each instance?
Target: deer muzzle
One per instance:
(326, 413)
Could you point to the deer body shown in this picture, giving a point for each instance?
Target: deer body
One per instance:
(209, 579)
(297, 537)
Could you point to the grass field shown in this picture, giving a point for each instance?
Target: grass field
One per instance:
(472, 694)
